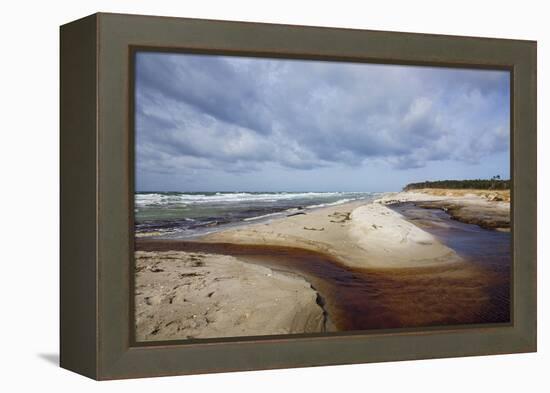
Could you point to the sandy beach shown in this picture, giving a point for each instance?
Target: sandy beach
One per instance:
(197, 289)
(196, 295)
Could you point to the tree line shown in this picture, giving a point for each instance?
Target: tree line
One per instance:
(481, 184)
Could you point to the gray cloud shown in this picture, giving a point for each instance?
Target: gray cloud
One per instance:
(232, 114)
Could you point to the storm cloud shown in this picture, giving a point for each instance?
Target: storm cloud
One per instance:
(203, 115)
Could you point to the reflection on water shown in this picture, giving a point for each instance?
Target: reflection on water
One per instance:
(488, 250)
(475, 291)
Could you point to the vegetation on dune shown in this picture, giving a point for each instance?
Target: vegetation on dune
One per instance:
(495, 183)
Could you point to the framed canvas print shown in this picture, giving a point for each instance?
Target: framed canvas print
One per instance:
(240, 196)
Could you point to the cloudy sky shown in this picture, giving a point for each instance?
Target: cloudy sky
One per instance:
(213, 123)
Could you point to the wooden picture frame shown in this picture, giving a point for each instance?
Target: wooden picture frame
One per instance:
(97, 195)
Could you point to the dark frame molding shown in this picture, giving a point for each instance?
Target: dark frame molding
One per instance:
(97, 194)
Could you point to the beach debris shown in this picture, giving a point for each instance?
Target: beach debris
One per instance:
(196, 260)
(340, 218)
(198, 263)
(295, 214)
(314, 229)
(184, 275)
(155, 269)
(153, 300)
(155, 330)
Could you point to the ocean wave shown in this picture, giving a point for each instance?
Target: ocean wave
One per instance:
(182, 199)
(335, 203)
(155, 199)
(262, 216)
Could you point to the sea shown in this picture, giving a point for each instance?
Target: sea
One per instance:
(189, 214)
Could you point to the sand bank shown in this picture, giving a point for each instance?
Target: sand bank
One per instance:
(359, 234)
(488, 209)
(183, 295)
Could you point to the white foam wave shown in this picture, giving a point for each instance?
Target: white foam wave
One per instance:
(193, 199)
(262, 216)
(335, 203)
